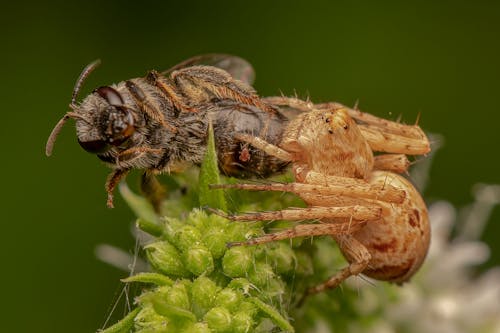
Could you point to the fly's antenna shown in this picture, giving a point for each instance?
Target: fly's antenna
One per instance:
(83, 76)
(76, 90)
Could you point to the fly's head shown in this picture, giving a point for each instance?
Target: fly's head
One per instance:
(107, 124)
(104, 122)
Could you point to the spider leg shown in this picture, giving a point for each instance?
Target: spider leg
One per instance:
(303, 230)
(385, 135)
(358, 189)
(265, 146)
(397, 163)
(356, 212)
(292, 102)
(358, 256)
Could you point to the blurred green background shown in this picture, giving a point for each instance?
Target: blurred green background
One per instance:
(441, 60)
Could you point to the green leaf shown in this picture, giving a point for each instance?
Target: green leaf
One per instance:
(209, 174)
(155, 278)
(139, 205)
(124, 325)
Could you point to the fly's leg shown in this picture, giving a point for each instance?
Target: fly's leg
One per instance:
(153, 190)
(114, 179)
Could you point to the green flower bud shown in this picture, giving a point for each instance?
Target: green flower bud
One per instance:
(229, 299)
(165, 258)
(197, 328)
(260, 274)
(218, 319)
(147, 319)
(242, 322)
(178, 296)
(216, 240)
(198, 260)
(249, 308)
(237, 261)
(186, 237)
(199, 219)
(242, 231)
(242, 285)
(203, 294)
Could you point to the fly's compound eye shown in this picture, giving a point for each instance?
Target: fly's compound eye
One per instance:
(95, 146)
(111, 96)
(119, 125)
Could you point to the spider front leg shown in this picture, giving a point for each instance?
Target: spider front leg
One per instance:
(397, 163)
(304, 230)
(355, 212)
(384, 135)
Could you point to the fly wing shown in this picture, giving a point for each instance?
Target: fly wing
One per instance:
(237, 67)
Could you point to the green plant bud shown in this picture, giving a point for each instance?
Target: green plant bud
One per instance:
(219, 277)
(186, 237)
(218, 319)
(229, 299)
(275, 287)
(242, 322)
(242, 285)
(260, 274)
(198, 260)
(203, 294)
(178, 296)
(148, 320)
(196, 328)
(171, 226)
(216, 240)
(163, 305)
(199, 219)
(249, 308)
(237, 261)
(165, 258)
(243, 231)
(282, 258)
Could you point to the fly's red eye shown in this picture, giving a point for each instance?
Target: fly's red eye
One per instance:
(112, 96)
(95, 146)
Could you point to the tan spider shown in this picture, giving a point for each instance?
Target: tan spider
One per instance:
(377, 217)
